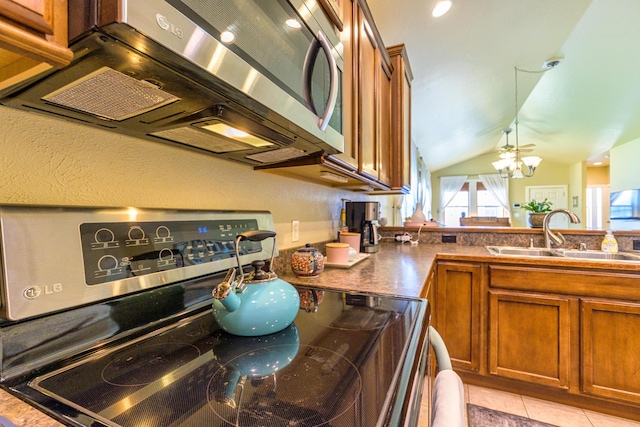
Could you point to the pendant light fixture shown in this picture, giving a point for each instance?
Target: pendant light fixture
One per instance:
(511, 164)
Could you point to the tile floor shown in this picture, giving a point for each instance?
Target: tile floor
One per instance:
(541, 410)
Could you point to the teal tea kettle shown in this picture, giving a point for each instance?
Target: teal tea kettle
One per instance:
(256, 303)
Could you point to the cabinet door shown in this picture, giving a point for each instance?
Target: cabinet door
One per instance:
(383, 119)
(33, 38)
(610, 349)
(529, 337)
(349, 38)
(400, 119)
(458, 309)
(34, 14)
(368, 69)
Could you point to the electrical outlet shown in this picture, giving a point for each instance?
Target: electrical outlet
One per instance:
(448, 239)
(636, 245)
(295, 231)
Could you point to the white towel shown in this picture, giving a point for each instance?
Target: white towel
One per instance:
(448, 400)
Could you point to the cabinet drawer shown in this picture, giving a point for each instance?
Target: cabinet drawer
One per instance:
(608, 284)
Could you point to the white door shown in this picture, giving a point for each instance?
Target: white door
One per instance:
(556, 194)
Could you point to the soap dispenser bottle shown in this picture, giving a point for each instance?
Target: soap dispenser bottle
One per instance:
(609, 243)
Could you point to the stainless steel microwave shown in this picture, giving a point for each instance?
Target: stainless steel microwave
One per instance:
(178, 71)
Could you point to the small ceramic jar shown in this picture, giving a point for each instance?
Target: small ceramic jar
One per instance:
(338, 253)
(307, 261)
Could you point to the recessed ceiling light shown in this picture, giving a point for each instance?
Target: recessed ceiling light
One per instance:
(597, 163)
(441, 8)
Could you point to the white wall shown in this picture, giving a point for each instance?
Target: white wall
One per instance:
(53, 162)
(623, 170)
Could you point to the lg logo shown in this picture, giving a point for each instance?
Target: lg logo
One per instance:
(33, 292)
(168, 26)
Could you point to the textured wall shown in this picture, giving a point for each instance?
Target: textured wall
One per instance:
(53, 162)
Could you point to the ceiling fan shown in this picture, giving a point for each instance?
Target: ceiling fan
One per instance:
(511, 164)
(508, 150)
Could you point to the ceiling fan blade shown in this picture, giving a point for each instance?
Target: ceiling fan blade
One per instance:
(507, 147)
(527, 145)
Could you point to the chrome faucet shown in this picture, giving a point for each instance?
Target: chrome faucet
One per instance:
(556, 238)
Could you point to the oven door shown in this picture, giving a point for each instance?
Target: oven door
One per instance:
(285, 55)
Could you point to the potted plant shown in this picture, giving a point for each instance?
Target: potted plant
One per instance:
(537, 211)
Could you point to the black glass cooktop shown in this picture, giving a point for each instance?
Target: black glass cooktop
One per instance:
(339, 364)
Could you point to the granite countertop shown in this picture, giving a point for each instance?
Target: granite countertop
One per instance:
(396, 269)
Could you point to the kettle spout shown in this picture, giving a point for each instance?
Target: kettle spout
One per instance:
(225, 292)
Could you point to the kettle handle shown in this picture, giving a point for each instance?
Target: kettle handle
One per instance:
(256, 235)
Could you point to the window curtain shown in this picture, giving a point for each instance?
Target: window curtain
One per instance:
(427, 199)
(398, 210)
(449, 187)
(498, 187)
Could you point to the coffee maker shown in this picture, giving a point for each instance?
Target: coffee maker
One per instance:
(362, 217)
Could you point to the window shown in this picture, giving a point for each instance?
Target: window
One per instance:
(472, 200)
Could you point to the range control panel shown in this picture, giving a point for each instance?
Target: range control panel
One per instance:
(55, 258)
(115, 251)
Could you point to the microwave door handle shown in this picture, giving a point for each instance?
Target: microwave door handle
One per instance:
(307, 71)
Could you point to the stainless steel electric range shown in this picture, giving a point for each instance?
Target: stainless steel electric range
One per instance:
(108, 323)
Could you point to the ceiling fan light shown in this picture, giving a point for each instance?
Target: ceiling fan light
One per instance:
(441, 8)
(517, 174)
(508, 155)
(498, 165)
(531, 161)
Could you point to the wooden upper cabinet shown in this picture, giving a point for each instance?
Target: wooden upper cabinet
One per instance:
(33, 38)
(374, 102)
(367, 89)
(350, 112)
(368, 69)
(400, 145)
(383, 121)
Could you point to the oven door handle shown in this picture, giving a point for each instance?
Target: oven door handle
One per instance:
(307, 73)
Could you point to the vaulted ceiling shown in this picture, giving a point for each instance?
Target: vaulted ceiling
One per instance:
(463, 65)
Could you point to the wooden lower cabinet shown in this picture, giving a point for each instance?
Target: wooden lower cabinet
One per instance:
(567, 334)
(529, 337)
(458, 308)
(610, 345)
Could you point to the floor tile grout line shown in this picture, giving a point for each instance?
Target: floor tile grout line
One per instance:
(525, 407)
(588, 419)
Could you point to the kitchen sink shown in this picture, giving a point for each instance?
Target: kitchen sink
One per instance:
(563, 253)
(620, 256)
(513, 250)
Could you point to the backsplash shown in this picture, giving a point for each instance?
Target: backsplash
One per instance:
(512, 238)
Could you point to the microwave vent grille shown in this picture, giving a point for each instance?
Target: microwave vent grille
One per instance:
(110, 94)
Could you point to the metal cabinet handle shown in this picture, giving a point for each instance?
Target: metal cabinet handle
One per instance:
(307, 73)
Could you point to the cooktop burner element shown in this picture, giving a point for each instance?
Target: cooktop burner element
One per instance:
(140, 366)
(275, 399)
